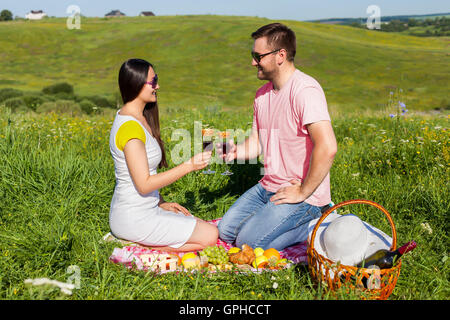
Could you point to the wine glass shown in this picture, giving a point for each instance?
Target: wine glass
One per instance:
(207, 135)
(224, 146)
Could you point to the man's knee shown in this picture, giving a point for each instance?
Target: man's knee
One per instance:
(225, 231)
(244, 239)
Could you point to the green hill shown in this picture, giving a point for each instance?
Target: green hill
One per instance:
(205, 60)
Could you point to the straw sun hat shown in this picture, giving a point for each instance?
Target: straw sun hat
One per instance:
(348, 239)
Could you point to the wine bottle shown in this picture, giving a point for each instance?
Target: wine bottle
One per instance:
(385, 259)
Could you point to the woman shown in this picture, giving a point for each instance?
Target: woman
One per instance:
(138, 212)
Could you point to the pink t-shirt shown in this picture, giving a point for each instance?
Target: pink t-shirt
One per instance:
(281, 118)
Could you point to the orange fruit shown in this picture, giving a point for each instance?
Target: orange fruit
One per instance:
(272, 254)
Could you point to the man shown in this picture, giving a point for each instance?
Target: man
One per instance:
(292, 128)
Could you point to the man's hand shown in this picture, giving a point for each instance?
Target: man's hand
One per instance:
(175, 207)
(231, 149)
(291, 194)
(249, 149)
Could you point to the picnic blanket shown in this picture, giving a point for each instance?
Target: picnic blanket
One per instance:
(129, 255)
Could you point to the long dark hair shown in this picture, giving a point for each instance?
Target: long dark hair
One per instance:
(132, 77)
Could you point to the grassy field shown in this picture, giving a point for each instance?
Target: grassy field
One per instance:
(205, 60)
(57, 180)
(57, 175)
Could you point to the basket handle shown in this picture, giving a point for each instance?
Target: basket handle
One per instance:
(363, 201)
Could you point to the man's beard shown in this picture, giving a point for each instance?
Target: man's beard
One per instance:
(263, 74)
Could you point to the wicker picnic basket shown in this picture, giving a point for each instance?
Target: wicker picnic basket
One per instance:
(334, 275)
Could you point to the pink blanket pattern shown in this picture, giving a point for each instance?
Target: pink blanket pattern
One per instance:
(129, 255)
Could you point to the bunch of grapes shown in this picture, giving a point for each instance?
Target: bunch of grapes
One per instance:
(215, 254)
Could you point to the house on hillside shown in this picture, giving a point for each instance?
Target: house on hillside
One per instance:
(146, 14)
(35, 15)
(115, 13)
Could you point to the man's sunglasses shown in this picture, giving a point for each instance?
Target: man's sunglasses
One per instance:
(154, 81)
(258, 56)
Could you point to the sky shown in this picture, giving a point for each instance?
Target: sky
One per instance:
(272, 9)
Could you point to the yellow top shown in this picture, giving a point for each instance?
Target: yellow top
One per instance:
(127, 131)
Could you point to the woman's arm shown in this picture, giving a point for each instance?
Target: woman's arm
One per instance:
(136, 159)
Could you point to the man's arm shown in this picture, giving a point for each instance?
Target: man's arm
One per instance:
(250, 148)
(324, 150)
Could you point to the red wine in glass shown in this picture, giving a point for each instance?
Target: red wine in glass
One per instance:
(208, 146)
(224, 148)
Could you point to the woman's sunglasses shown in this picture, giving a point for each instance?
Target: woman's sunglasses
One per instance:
(258, 56)
(154, 81)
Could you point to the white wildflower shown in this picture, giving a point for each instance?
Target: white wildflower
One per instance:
(275, 285)
(362, 191)
(426, 227)
(64, 286)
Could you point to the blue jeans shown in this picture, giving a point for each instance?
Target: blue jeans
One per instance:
(253, 219)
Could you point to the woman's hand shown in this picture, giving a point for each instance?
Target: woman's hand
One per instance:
(175, 207)
(199, 161)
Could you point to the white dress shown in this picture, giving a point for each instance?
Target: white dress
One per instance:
(138, 218)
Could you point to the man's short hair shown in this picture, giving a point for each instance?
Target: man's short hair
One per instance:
(278, 37)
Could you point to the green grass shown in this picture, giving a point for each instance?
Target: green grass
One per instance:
(205, 60)
(57, 180)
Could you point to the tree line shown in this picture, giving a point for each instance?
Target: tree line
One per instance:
(439, 26)
(6, 15)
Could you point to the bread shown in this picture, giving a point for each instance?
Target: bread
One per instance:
(245, 256)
